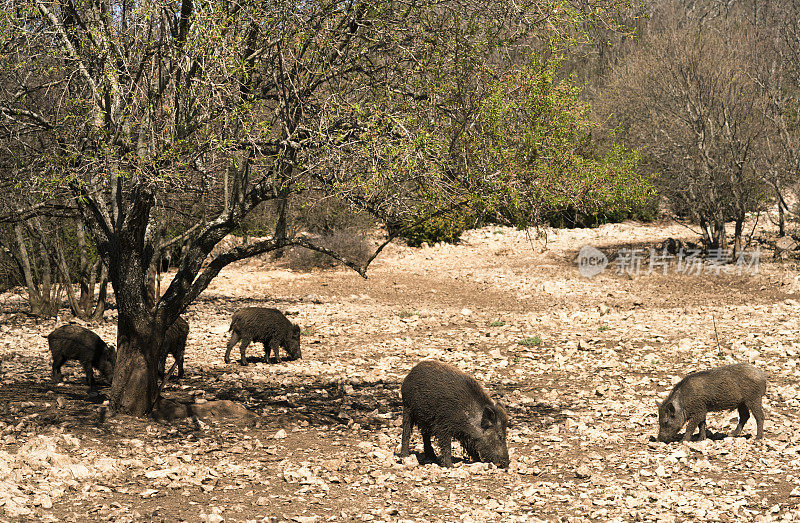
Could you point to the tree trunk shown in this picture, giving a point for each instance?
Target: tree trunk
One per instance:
(135, 385)
(737, 236)
(102, 294)
(66, 278)
(34, 298)
(86, 277)
(706, 237)
(720, 241)
(140, 332)
(280, 225)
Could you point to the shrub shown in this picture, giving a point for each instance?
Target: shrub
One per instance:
(351, 243)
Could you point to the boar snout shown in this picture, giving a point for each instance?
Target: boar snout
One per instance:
(670, 421)
(293, 345)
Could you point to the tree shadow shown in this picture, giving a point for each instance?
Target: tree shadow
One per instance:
(258, 359)
(233, 303)
(37, 402)
(323, 402)
(711, 435)
(540, 413)
(422, 459)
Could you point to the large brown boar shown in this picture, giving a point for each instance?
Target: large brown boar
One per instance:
(740, 386)
(448, 404)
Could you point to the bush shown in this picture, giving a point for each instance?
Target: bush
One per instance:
(352, 243)
(446, 227)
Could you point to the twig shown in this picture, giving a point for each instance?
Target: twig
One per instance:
(719, 349)
(676, 220)
(753, 231)
(164, 382)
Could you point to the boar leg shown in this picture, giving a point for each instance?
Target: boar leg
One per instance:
(271, 349)
(690, 428)
(242, 349)
(426, 443)
(405, 446)
(758, 413)
(701, 427)
(57, 363)
(744, 415)
(447, 449)
(87, 367)
(234, 340)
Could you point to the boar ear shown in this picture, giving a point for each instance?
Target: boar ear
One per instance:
(489, 418)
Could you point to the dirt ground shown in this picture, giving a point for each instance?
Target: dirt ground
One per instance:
(579, 363)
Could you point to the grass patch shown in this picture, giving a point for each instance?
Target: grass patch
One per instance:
(533, 341)
(497, 323)
(603, 328)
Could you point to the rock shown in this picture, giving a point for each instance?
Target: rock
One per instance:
(786, 243)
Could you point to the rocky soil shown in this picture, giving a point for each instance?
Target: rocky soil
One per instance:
(580, 364)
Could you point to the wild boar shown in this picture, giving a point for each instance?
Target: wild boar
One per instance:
(268, 326)
(73, 342)
(739, 386)
(175, 344)
(448, 404)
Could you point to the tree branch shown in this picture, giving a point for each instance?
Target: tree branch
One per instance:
(73, 54)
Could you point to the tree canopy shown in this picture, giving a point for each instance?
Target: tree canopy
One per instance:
(123, 113)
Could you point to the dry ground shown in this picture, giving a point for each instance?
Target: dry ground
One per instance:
(325, 447)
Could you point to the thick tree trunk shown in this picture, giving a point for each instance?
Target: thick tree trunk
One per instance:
(135, 385)
(134, 389)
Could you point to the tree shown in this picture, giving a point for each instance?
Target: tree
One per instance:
(39, 247)
(534, 135)
(219, 107)
(690, 96)
(777, 59)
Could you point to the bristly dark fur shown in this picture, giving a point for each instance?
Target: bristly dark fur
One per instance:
(73, 342)
(175, 344)
(446, 404)
(265, 325)
(740, 386)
